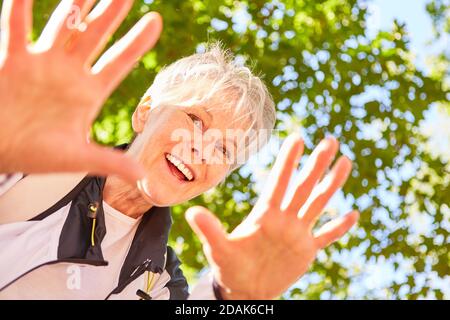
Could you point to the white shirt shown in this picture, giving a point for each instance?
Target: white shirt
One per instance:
(73, 281)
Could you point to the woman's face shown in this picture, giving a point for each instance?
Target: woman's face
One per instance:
(186, 150)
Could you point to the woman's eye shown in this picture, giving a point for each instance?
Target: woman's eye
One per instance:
(196, 120)
(224, 151)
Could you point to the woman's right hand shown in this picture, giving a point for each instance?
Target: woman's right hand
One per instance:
(51, 91)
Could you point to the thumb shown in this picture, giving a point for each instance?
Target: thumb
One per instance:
(206, 225)
(106, 161)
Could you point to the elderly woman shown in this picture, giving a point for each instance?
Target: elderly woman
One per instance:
(107, 238)
(91, 237)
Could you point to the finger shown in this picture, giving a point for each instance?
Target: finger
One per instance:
(16, 24)
(208, 228)
(104, 161)
(58, 20)
(74, 22)
(117, 62)
(325, 190)
(334, 230)
(102, 22)
(286, 162)
(314, 169)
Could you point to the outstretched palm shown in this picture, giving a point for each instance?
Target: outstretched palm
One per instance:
(52, 90)
(275, 245)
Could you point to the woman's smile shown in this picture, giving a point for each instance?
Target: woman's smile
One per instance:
(179, 169)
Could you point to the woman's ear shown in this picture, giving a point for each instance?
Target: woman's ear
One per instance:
(140, 115)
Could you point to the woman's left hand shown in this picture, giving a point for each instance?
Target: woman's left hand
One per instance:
(274, 246)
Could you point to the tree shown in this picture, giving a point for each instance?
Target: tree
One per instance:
(327, 77)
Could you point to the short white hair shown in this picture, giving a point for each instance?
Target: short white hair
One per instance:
(214, 79)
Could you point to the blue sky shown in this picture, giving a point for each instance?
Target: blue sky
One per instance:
(410, 11)
(419, 25)
(417, 20)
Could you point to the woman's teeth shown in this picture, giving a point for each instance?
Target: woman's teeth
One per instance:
(177, 163)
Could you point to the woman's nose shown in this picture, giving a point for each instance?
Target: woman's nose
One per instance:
(198, 157)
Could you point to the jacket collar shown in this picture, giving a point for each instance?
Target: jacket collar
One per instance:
(148, 248)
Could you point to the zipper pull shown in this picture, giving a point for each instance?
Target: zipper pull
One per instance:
(143, 295)
(92, 213)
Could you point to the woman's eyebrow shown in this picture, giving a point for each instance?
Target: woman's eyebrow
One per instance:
(207, 114)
